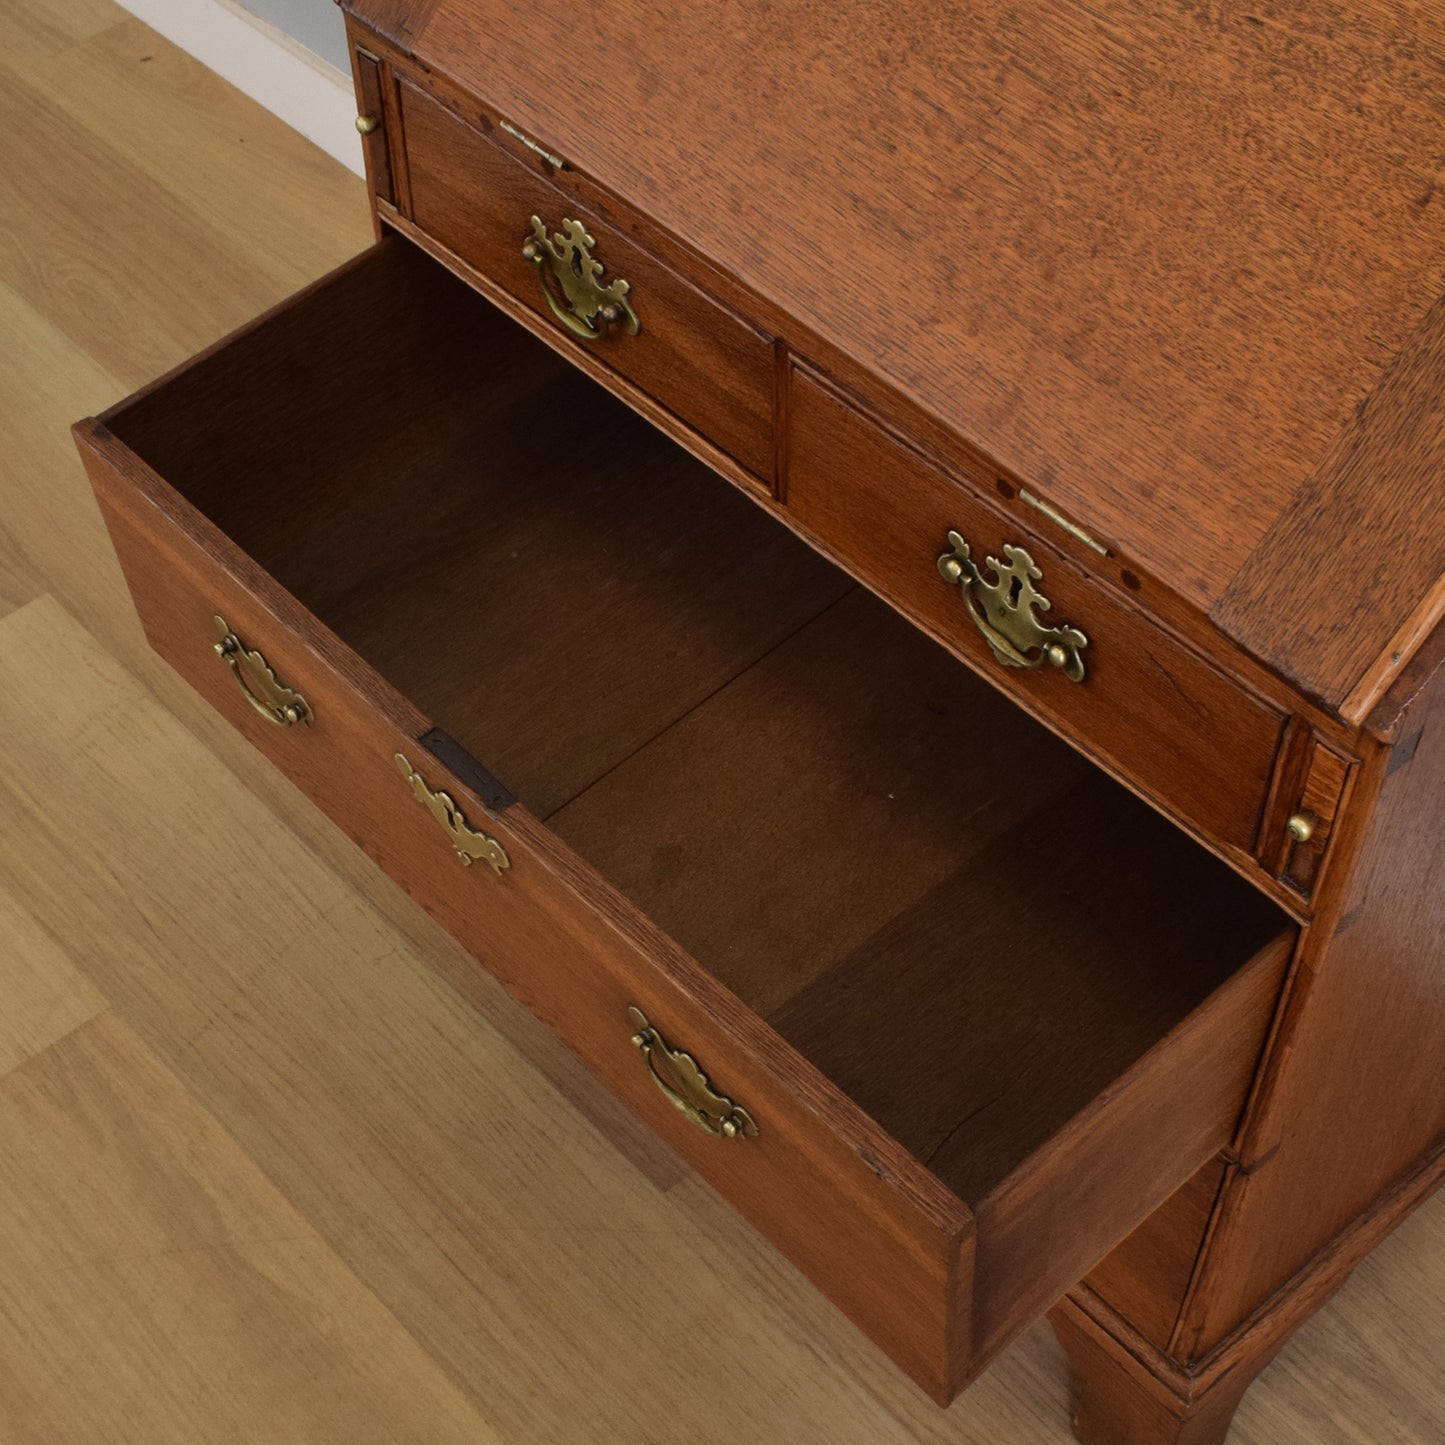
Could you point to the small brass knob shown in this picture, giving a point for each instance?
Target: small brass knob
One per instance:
(366, 124)
(1301, 827)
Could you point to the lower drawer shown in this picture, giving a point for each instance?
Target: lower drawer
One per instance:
(940, 1008)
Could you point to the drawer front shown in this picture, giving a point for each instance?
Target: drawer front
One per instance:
(941, 1283)
(821, 1181)
(942, 1289)
(1147, 707)
(704, 364)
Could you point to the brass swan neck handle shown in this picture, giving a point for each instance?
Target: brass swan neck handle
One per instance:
(259, 685)
(1004, 608)
(585, 301)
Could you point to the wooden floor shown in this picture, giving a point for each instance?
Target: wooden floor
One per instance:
(263, 1178)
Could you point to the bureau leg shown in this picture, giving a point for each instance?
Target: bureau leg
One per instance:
(1119, 1400)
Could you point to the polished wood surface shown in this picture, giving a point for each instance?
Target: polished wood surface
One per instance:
(146, 922)
(285, 1082)
(1154, 1074)
(453, 503)
(826, 1184)
(1341, 519)
(1148, 1276)
(1128, 1390)
(711, 368)
(1197, 741)
(1114, 1405)
(1150, 263)
(802, 813)
(1360, 1041)
(489, 266)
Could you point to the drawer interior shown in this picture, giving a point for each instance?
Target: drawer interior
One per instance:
(966, 926)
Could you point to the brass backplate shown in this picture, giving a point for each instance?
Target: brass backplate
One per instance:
(585, 300)
(1004, 608)
(685, 1085)
(469, 845)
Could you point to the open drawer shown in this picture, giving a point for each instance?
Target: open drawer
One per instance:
(937, 1005)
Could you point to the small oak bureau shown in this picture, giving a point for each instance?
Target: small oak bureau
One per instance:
(882, 568)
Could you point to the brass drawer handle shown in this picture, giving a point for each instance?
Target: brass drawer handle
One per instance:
(276, 702)
(1003, 609)
(585, 300)
(686, 1086)
(468, 844)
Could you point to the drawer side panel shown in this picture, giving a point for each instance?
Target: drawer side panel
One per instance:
(1118, 1161)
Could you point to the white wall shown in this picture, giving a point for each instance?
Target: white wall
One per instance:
(317, 24)
(274, 58)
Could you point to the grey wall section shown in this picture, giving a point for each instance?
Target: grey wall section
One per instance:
(316, 24)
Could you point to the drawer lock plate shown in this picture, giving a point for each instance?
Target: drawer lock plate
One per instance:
(468, 844)
(1004, 608)
(686, 1086)
(577, 273)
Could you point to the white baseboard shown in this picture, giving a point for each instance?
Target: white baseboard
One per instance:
(310, 94)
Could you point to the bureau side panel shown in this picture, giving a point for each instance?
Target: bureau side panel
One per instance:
(1351, 1094)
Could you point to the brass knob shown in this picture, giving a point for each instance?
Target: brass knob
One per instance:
(366, 124)
(1301, 827)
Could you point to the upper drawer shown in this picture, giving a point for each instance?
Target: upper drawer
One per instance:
(701, 362)
(968, 1010)
(1138, 699)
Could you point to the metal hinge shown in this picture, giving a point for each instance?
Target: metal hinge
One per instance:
(556, 162)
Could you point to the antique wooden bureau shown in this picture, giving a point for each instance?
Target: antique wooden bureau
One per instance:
(881, 567)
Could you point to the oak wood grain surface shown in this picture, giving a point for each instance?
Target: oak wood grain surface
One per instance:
(1192, 738)
(705, 364)
(824, 1182)
(455, 499)
(1361, 1037)
(1147, 1278)
(1150, 260)
(274, 1047)
(817, 1196)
